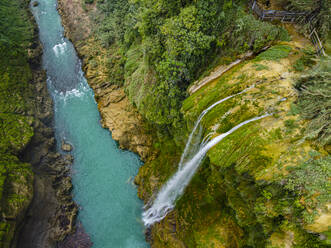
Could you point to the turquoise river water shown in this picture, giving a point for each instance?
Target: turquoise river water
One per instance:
(110, 210)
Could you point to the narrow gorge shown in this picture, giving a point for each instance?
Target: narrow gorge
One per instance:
(101, 173)
(154, 123)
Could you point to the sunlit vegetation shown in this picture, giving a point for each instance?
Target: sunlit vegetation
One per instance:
(315, 101)
(242, 195)
(166, 45)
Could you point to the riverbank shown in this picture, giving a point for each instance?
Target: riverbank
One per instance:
(36, 204)
(101, 173)
(118, 115)
(242, 194)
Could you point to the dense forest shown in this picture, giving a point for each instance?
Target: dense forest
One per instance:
(163, 46)
(157, 49)
(266, 185)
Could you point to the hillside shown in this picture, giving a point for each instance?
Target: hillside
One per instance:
(265, 185)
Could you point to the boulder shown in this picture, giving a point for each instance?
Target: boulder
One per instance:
(66, 146)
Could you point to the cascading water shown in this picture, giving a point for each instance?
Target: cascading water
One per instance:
(190, 148)
(165, 200)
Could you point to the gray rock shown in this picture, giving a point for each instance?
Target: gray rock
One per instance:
(69, 159)
(35, 4)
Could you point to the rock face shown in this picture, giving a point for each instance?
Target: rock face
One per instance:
(238, 197)
(52, 212)
(75, 20)
(122, 120)
(78, 239)
(118, 115)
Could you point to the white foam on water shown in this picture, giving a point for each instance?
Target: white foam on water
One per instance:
(60, 48)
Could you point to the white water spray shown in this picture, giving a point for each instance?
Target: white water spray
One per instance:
(165, 200)
(59, 48)
(188, 147)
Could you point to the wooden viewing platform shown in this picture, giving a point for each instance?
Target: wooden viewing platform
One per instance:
(290, 17)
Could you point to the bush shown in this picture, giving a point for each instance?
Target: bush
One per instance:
(177, 41)
(314, 101)
(321, 10)
(311, 180)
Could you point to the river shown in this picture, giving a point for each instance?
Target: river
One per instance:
(102, 174)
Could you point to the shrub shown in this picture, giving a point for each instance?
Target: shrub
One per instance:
(177, 41)
(311, 180)
(314, 101)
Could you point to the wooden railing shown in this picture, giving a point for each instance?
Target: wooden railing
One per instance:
(316, 41)
(291, 17)
(283, 16)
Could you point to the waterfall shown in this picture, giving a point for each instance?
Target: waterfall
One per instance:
(189, 148)
(169, 193)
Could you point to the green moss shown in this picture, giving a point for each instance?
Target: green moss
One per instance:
(16, 178)
(259, 67)
(168, 154)
(299, 66)
(213, 92)
(275, 53)
(306, 60)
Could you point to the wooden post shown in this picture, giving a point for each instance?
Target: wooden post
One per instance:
(253, 5)
(319, 42)
(285, 16)
(311, 33)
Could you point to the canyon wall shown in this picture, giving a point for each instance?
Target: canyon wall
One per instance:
(256, 188)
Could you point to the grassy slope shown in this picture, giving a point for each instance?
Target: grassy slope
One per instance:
(241, 194)
(16, 36)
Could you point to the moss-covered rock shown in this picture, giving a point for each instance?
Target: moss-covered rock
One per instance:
(16, 121)
(244, 184)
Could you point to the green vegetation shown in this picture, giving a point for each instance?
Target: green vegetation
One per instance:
(165, 46)
(315, 101)
(311, 181)
(274, 53)
(306, 60)
(259, 67)
(321, 11)
(250, 191)
(16, 36)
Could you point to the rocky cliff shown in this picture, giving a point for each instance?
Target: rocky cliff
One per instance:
(263, 186)
(36, 206)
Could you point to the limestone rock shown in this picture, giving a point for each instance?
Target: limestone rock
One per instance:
(66, 146)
